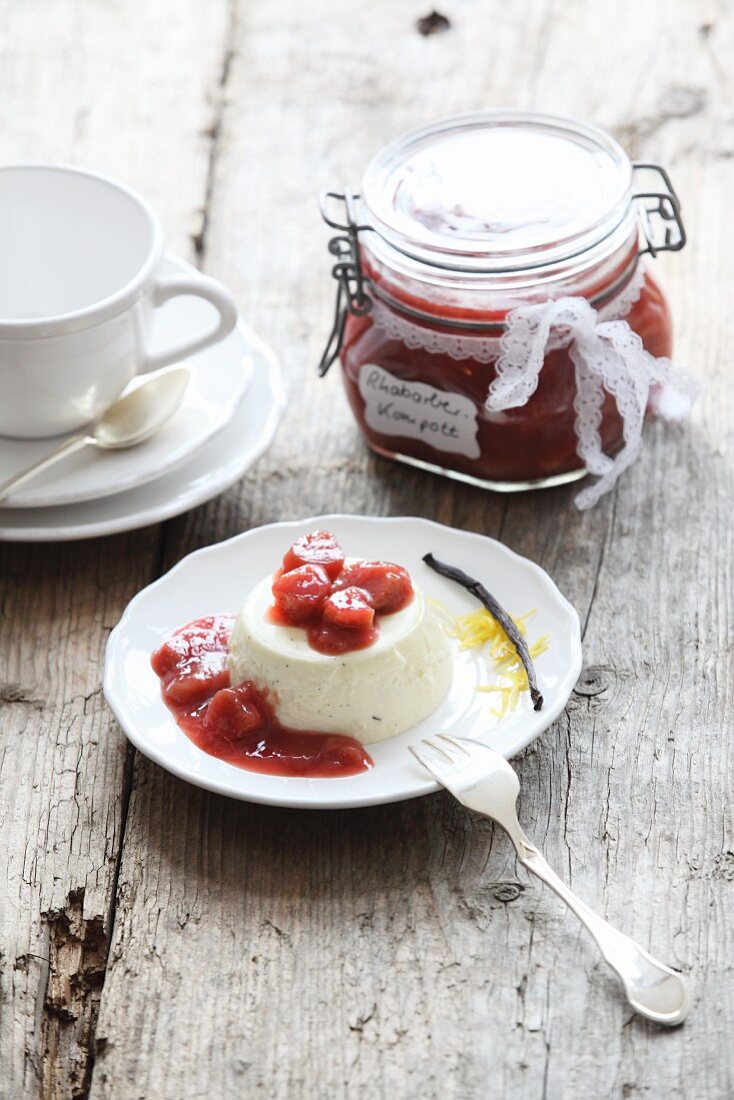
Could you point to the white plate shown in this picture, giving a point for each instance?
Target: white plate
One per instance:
(216, 465)
(218, 380)
(216, 579)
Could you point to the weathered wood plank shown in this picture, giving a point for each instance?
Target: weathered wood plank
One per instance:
(104, 86)
(260, 952)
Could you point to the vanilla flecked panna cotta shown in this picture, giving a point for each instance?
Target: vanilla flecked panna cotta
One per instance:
(368, 693)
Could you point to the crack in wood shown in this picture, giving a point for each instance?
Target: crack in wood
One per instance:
(17, 693)
(359, 1024)
(214, 134)
(600, 562)
(77, 956)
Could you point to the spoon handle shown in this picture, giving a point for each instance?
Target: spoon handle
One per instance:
(653, 990)
(73, 443)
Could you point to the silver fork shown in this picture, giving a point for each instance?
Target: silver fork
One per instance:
(483, 780)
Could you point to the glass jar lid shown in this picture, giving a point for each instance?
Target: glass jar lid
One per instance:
(497, 191)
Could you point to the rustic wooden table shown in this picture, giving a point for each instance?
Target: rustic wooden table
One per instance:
(158, 941)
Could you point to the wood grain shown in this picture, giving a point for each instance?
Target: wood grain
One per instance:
(396, 950)
(102, 86)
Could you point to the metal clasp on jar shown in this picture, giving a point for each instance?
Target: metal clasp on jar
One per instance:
(351, 296)
(666, 205)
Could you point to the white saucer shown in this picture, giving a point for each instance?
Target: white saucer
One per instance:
(216, 579)
(219, 377)
(215, 466)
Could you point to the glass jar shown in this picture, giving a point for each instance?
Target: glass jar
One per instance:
(484, 275)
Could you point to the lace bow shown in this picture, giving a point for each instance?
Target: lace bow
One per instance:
(607, 356)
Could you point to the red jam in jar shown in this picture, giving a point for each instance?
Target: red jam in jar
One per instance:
(460, 224)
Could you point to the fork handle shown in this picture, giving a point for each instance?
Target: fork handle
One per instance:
(653, 990)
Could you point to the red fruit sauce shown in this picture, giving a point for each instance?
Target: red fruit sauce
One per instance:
(239, 724)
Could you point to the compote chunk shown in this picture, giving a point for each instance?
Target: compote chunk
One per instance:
(318, 548)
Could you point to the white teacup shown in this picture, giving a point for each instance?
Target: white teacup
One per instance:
(80, 280)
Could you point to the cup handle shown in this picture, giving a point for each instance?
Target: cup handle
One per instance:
(197, 286)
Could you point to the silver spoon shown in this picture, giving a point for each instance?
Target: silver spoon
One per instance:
(483, 780)
(129, 420)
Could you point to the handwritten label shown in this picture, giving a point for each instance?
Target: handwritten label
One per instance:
(446, 421)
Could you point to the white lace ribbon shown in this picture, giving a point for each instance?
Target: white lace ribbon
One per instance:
(608, 357)
(472, 345)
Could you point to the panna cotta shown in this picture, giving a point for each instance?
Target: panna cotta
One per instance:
(327, 655)
(394, 675)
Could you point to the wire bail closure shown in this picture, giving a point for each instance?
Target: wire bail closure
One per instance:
(350, 295)
(666, 205)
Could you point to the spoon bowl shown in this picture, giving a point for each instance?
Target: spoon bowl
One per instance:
(140, 412)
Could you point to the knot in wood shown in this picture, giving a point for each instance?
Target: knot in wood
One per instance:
(592, 682)
(508, 891)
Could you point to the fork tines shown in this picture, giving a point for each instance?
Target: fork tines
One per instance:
(435, 756)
